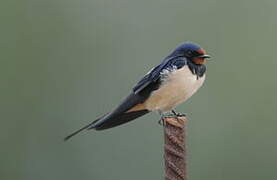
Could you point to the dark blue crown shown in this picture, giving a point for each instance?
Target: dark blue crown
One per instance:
(187, 46)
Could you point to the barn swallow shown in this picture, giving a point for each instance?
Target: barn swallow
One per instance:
(164, 87)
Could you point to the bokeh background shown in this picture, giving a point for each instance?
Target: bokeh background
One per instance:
(65, 62)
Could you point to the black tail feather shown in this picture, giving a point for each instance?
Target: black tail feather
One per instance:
(117, 120)
(76, 132)
(89, 126)
(109, 121)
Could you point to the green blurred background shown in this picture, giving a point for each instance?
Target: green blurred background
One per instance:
(65, 62)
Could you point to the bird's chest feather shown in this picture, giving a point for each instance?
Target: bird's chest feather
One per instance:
(177, 86)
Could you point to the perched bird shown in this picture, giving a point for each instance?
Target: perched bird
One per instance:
(164, 87)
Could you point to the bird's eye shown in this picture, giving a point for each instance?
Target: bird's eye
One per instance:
(189, 53)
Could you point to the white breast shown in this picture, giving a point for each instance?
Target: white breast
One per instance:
(176, 88)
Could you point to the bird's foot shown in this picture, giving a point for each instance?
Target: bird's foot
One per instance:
(161, 121)
(178, 114)
(173, 114)
(164, 116)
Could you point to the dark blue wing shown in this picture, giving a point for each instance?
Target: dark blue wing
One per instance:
(152, 78)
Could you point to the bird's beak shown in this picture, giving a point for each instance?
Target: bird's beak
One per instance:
(204, 56)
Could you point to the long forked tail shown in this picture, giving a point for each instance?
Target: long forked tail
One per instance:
(131, 108)
(76, 132)
(87, 127)
(110, 120)
(113, 120)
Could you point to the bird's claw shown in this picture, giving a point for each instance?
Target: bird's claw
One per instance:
(171, 115)
(178, 114)
(164, 116)
(181, 115)
(161, 121)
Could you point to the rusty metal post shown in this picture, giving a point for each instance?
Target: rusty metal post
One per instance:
(175, 148)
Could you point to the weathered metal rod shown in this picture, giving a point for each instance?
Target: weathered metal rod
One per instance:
(175, 148)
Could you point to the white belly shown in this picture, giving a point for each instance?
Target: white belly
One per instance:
(176, 88)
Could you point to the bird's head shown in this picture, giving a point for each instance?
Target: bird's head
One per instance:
(192, 52)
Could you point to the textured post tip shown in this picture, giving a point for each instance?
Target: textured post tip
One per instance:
(175, 148)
